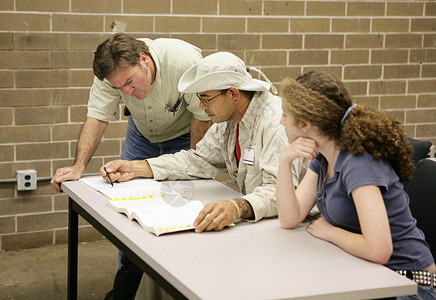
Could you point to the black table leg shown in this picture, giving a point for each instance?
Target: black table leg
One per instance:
(74, 210)
(73, 229)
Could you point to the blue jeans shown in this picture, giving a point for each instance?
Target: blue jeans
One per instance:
(424, 293)
(137, 147)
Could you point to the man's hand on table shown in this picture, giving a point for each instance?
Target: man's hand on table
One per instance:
(215, 216)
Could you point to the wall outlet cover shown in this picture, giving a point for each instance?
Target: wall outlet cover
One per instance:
(26, 180)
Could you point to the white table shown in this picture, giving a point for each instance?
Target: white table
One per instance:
(248, 261)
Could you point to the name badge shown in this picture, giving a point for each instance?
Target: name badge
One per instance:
(249, 157)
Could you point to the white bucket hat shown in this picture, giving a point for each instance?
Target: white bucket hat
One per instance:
(219, 71)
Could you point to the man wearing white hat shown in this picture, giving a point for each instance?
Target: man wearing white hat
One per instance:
(246, 140)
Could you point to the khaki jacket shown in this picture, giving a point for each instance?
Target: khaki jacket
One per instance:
(259, 130)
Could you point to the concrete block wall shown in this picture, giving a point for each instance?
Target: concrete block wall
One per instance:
(385, 51)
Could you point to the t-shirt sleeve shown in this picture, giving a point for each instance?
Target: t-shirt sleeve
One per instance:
(103, 101)
(364, 170)
(314, 164)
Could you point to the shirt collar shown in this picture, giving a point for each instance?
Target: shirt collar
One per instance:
(157, 83)
(343, 157)
(253, 110)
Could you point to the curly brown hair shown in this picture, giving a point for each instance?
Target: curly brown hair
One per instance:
(322, 99)
(118, 49)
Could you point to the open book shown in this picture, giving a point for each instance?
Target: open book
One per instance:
(156, 207)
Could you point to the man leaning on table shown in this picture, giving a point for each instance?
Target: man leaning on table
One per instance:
(144, 74)
(245, 139)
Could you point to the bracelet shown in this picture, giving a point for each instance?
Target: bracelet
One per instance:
(237, 208)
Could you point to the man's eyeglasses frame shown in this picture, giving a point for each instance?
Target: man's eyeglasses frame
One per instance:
(206, 101)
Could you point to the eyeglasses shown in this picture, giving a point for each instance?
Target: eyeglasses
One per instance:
(206, 101)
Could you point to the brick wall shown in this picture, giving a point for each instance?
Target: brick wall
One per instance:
(385, 51)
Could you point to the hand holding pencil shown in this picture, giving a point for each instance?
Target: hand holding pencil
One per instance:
(108, 176)
(123, 170)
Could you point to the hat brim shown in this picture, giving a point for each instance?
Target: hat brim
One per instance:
(218, 80)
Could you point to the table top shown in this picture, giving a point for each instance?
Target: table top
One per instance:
(248, 261)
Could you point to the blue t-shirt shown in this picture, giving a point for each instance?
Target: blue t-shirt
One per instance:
(334, 200)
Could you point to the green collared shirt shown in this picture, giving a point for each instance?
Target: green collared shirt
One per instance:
(165, 113)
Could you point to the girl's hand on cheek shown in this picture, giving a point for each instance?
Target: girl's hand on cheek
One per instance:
(305, 147)
(300, 147)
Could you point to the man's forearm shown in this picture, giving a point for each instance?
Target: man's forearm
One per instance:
(198, 129)
(89, 139)
(245, 208)
(141, 168)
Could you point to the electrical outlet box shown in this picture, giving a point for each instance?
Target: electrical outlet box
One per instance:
(26, 180)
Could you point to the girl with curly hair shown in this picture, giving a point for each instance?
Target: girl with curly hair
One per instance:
(359, 155)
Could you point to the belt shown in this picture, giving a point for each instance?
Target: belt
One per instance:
(425, 278)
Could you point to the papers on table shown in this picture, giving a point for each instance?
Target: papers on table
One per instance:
(155, 206)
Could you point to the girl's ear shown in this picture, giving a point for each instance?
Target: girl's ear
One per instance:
(305, 126)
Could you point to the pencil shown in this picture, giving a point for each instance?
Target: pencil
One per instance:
(110, 180)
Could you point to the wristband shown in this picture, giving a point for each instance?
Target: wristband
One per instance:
(237, 208)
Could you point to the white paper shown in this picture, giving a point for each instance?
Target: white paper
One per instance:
(155, 206)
